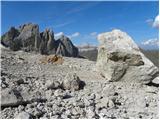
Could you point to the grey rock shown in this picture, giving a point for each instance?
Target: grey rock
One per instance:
(8, 98)
(51, 48)
(67, 48)
(71, 82)
(119, 58)
(58, 93)
(42, 47)
(23, 115)
(28, 38)
(48, 45)
(20, 108)
(20, 81)
(90, 113)
(9, 36)
(61, 50)
(91, 96)
(105, 103)
(52, 84)
(156, 80)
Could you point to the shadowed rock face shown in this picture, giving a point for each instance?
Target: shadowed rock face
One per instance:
(28, 38)
(119, 58)
(66, 48)
(7, 38)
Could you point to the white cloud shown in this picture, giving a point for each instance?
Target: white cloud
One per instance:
(156, 22)
(62, 24)
(151, 42)
(76, 34)
(58, 34)
(93, 34)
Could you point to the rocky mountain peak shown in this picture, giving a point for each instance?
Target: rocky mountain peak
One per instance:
(28, 38)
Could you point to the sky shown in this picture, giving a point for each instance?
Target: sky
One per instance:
(83, 21)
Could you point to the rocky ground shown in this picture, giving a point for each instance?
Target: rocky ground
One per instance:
(30, 89)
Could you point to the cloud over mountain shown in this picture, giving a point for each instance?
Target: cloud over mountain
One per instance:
(154, 22)
(93, 34)
(151, 42)
(74, 35)
(58, 34)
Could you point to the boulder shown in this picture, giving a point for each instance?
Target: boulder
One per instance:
(71, 82)
(8, 98)
(119, 58)
(156, 80)
(52, 84)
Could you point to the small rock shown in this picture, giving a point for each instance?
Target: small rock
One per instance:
(8, 98)
(58, 93)
(104, 103)
(4, 84)
(81, 104)
(20, 108)
(110, 104)
(52, 84)
(63, 116)
(90, 113)
(91, 96)
(71, 82)
(48, 94)
(156, 80)
(23, 115)
(54, 117)
(20, 81)
(40, 106)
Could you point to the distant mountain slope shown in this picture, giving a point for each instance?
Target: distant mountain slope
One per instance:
(153, 55)
(91, 54)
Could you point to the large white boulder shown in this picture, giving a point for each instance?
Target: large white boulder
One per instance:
(119, 58)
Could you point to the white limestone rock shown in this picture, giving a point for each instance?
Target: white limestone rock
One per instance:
(119, 58)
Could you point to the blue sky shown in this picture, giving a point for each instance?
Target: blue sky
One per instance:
(82, 21)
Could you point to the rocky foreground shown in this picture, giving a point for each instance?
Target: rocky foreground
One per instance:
(31, 89)
(123, 83)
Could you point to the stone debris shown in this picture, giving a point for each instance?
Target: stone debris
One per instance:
(74, 89)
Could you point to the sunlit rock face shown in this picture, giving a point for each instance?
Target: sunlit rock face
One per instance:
(119, 58)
